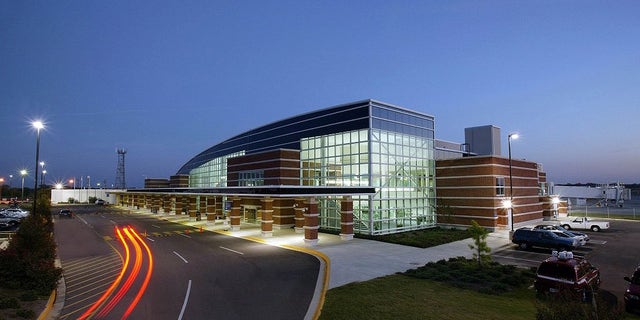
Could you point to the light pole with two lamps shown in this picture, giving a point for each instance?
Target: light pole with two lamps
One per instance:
(37, 125)
(42, 173)
(23, 173)
(513, 136)
(555, 200)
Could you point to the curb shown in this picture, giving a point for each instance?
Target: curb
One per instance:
(45, 313)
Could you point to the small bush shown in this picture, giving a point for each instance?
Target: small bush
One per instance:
(490, 278)
(29, 296)
(9, 303)
(26, 314)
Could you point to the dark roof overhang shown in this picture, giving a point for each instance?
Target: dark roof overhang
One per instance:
(263, 191)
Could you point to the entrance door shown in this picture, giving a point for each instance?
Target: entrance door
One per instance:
(250, 214)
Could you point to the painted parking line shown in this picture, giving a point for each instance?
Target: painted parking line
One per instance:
(598, 241)
(514, 258)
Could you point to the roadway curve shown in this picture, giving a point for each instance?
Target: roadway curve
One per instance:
(192, 274)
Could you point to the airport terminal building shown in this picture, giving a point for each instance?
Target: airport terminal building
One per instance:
(366, 167)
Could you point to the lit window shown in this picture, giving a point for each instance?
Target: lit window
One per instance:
(500, 186)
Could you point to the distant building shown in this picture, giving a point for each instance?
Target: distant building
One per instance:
(601, 195)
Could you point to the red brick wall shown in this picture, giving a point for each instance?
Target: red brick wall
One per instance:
(466, 190)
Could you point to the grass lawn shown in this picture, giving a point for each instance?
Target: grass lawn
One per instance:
(423, 238)
(402, 297)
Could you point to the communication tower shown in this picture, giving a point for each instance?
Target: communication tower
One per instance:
(120, 176)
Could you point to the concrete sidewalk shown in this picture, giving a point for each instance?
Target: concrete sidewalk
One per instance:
(353, 260)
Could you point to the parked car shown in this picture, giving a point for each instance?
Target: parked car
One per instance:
(65, 213)
(8, 220)
(526, 237)
(100, 202)
(567, 273)
(632, 295)
(561, 231)
(585, 224)
(15, 212)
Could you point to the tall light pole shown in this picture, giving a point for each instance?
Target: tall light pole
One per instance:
(1, 187)
(74, 185)
(43, 172)
(513, 136)
(37, 125)
(23, 173)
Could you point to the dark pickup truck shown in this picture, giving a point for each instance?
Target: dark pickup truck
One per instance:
(526, 238)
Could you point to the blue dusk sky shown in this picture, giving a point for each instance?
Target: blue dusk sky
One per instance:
(167, 79)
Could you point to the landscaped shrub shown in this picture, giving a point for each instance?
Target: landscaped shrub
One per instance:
(26, 314)
(9, 303)
(491, 278)
(29, 296)
(422, 238)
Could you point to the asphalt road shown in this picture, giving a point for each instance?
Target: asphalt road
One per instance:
(193, 274)
(614, 251)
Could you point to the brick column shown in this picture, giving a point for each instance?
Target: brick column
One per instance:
(235, 214)
(346, 218)
(185, 204)
(219, 206)
(311, 222)
(299, 209)
(140, 201)
(178, 204)
(266, 224)
(211, 208)
(157, 203)
(166, 204)
(193, 206)
(203, 204)
(132, 201)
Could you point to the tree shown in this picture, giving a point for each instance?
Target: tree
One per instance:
(479, 235)
(29, 261)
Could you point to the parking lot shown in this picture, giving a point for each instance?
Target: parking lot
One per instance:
(614, 251)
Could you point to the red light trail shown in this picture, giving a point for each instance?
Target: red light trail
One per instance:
(107, 302)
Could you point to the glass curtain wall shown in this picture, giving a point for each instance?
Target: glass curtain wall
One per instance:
(403, 173)
(400, 166)
(340, 159)
(212, 174)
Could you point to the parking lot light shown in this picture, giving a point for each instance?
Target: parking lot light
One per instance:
(38, 125)
(509, 137)
(506, 203)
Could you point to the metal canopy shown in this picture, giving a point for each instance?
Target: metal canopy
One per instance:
(271, 191)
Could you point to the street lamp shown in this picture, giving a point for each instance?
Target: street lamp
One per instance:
(37, 125)
(507, 204)
(513, 136)
(23, 173)
(43, 172)
(555, 200)
(1, 187)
